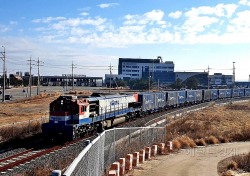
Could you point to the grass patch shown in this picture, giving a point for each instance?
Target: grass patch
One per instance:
(243, 162)
(214, 124)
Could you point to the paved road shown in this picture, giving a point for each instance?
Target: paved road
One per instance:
(191, 162)
(18, 93)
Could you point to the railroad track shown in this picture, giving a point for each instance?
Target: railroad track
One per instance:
(14, 161)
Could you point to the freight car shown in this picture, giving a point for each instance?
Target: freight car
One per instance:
(74, 116)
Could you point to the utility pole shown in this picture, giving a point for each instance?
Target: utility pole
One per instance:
(30, 78)
(38, 75)
(148, 80)
(110, 73)
(153, 70)
(208, 81)
(4, 73)
(72, 67)
(233, 74)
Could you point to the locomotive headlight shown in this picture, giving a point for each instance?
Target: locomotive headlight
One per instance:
(61, 102)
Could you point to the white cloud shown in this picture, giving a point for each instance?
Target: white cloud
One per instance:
(244, 2)
(76, 31)
(175, 15)
(127, 29)
(4, 28)
(154, 15)
(149, 18)
(240, 24)
(103, 6)
(230, 9)
(220, 10)
(201, 24)
(84, 14)
(75, 22)
(13, 22)
(198, 24)
(48, 19)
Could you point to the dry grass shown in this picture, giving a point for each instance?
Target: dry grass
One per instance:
(228, 173)
(238, 163)
(232, 165)
(200, 142)
(25, 109)
(243, 162)
(24, 117)
(214, 124)
(176, 144)
(186, 142)
(212, 140)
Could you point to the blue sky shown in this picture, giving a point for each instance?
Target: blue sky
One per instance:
(193, 34)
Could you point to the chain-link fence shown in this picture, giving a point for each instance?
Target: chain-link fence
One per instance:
(112, 145)
(20, 129)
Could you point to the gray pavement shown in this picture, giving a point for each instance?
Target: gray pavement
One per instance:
(18, 93)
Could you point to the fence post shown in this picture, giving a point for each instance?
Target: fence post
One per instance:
(114, 145)
(29, 127)
(141, 136)
(129, 139)
(164, 133)
(147, 136)
(13, 126)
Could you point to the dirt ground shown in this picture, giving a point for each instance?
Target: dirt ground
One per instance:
(25, 109)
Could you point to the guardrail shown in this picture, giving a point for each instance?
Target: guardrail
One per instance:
(111, 145)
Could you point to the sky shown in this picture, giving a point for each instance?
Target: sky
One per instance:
(93, 34)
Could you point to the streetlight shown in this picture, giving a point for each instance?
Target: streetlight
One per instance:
(3, 58)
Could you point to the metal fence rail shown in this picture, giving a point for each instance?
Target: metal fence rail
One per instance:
(111, 145)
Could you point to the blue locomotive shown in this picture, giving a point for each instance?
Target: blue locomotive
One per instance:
(73, 116)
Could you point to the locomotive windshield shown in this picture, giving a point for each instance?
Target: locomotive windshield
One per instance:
(60, 106)
(64, 105)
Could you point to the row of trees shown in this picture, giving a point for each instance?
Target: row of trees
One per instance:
(144, 84)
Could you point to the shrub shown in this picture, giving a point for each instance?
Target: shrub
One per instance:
(212, 140)
(200, 142)
(243, 162)
(186, 142)
(176, 144)
(228, 173)
(232, 166)
(223, 139)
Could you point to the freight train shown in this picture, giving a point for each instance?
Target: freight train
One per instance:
(73, 116)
